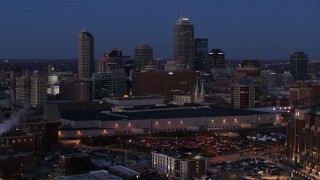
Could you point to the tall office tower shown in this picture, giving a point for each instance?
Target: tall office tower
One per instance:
(12, 87)
(201, 54)
(23, 89)
(183, 43)
(143, 56)
(216, 62)
(299, 65)
(216, 59)
(85, 55)
(38, 90)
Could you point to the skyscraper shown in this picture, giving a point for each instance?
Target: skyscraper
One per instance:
(183, 43)
(143, 55)
(299, 65)
(216, 59)
(85, 55)
(201, 54)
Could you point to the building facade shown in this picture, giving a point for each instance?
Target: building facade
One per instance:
(111, 84)
(303, 140)
(268, 78)
(164, 83)
(143, 56)
(38, 90)
(75, 90)
(183, 43)
(85, 55)
(304, 91)
(245, 93)
(156, 118)
(201, 54)
(173, 165)
(299, 65)
(31, 89)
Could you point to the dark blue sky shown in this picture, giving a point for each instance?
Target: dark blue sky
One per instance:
(251, 29)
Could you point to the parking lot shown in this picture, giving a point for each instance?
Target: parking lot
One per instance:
(249, 167)
(209, 146)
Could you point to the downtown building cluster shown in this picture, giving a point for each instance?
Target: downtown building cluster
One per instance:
(119, 95)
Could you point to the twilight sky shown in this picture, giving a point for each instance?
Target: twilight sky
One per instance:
(243, 29)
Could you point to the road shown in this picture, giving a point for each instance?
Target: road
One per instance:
(129, 151)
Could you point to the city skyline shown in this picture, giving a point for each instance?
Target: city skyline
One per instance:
(243, 30)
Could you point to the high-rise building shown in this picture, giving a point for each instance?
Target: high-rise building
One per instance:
(284, 79)
(268, 78)
(110, 84)
(112, 60)
(143, 56)
(201, 54)
(38, 90)
(85, 55)
(245, 93)
(183, 43)
(21, 89)
(216, 59)
(299, 65)
(31, 89)
(216, 63)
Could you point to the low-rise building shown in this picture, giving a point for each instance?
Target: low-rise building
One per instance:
(179, 166)
(101, 174)
(156, 118)
(124, 172)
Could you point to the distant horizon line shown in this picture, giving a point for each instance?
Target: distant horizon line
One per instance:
(45, 59)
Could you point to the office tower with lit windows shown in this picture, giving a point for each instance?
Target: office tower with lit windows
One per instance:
(183, 43)
(85, 55)
(109, 84)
